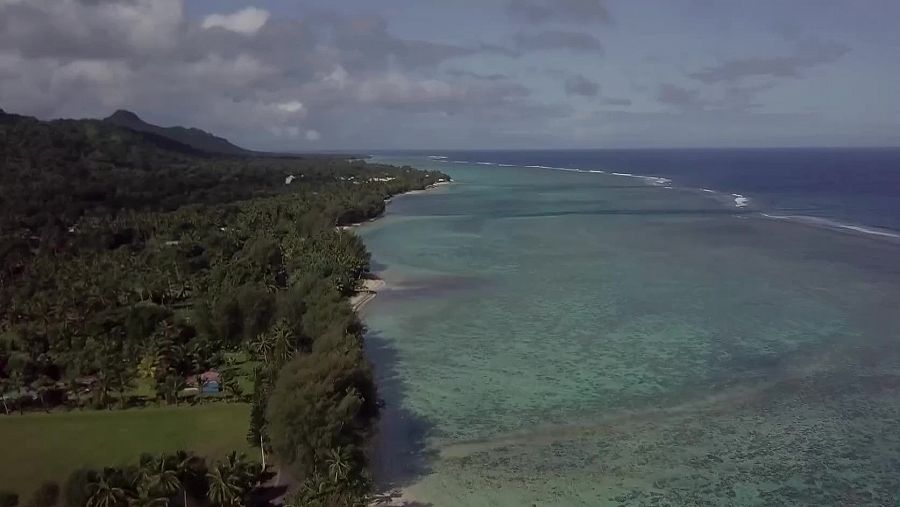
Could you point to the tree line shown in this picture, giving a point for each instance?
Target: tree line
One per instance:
(127, 258)
(155, 481)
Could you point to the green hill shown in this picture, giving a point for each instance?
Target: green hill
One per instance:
(193, 137)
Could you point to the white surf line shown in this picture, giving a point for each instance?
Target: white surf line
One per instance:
(833, 224)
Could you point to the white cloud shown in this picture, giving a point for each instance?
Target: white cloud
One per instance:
(245, 21)
(313, 135)
(338, 77)
(293, 106)
(397, 89)
(151, 23)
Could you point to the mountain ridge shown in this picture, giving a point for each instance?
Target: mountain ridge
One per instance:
(193, 137)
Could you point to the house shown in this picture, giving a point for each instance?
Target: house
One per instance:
(208, 382)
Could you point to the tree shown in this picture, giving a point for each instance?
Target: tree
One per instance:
(283, 343)
(145, 498)
(223, 490)
(261, 388)
(316, 406)
(46, 495)
(8, 499)
(16, 364)
(263, 346)
(106, 490)
(169, 388)
(4, 390)
(339, 464)
(77, 487)
(41, 386)
(162, 474)
(192, 474)
(230, 383)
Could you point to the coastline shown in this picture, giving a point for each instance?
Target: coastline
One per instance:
(369, 287)
(801, 277)
(366, 292)
(371, 284)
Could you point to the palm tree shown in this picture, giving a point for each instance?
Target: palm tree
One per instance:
(4, 388)
(145, 498)
(338, 461)
(162, 474)
(170, 387)
(189, 468)
(284, 343)
(105, 491)
(263, 346)
(223, 490)
(240, 469)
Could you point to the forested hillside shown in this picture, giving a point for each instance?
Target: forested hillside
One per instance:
(193, 137)
(128, 259)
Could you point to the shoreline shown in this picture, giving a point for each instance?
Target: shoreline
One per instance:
(366, 292)
(371, 284)
(369, 287)
(391, 198)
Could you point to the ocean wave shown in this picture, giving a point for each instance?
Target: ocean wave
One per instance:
(834, 224)
(653, 180)
(740, 201)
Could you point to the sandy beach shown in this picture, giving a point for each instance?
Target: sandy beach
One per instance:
(389, 199)
(367, 291)
(370, 286)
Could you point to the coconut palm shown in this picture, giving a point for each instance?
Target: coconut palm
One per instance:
(162, 473)
(145, 498)
(106, 490)
(4, 388)
(223, 488)
(339, 466)
(283, 342)
(263, 346)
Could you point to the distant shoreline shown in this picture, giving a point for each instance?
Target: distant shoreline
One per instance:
(372, 284)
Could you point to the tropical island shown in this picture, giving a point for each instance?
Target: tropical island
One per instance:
(175, 323)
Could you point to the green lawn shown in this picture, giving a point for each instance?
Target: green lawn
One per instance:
(38, 447)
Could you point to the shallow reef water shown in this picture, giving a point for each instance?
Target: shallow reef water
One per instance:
(565, 338)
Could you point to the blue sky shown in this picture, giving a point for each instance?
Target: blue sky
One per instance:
(315, 74)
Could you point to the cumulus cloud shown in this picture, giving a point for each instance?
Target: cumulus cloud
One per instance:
(246, 21)
(239, 74)
(580, 85)
(558, 39)
(810, 53)
(293, 106)
(542, 11)
(71, 28)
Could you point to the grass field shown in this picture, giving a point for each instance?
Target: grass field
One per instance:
(39, 447)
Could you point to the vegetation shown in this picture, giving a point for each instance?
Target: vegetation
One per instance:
(130, 264)
(195, 138)
(50, 446)
(158, 480)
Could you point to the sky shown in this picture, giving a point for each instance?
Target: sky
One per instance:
(302, 75)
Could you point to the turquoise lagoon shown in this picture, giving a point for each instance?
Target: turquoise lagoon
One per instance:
(565, 338)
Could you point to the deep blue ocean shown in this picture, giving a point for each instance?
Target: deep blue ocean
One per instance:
(853, 187)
